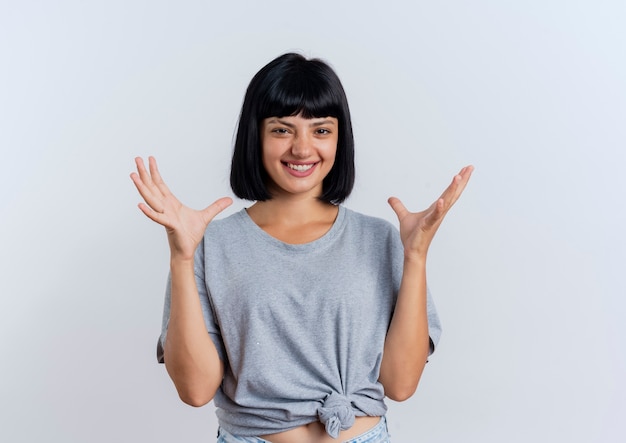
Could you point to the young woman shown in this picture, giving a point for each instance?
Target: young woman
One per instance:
(297, 316)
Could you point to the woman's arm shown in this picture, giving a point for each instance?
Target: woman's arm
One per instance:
(191, 358)
(407, 343)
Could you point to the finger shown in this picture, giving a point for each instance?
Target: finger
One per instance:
(153, 202)
(141, 169)
(461, 180)
(145, 192)
(156, 176)
(455, 189)
(437, 214)
(464, 175)
(398, 207)
(153, 215)
(215, 208)
(448, 198)
(146, 178)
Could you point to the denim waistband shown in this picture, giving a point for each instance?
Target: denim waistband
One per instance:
(378, 434)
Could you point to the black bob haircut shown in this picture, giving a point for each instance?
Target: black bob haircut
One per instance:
(291, 85)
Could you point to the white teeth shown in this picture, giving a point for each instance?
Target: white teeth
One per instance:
(300, 168)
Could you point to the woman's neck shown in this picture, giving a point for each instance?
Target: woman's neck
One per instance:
(294, 220)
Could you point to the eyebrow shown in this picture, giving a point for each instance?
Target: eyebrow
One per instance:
(314, 124)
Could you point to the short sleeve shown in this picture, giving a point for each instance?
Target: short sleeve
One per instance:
(207, 308)
(434, 324)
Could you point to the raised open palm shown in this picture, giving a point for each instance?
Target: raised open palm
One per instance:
(185, 226)
(417, 229)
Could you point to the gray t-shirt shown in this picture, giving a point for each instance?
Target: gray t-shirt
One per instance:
(300, 328)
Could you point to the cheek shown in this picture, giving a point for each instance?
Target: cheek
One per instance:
(331, 152)
(268, 152)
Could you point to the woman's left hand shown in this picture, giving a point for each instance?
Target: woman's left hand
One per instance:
(417, 229)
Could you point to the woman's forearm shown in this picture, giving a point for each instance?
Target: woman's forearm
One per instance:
(407, 342)
(191, 358)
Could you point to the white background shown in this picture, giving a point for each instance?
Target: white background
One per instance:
(527, 271)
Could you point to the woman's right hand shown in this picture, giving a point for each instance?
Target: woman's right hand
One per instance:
(184, 226)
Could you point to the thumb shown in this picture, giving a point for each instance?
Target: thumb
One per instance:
(216, 207)
(397, 207)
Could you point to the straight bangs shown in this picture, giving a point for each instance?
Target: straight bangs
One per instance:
(302, 93)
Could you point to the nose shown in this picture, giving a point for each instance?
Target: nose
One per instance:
(302, 146)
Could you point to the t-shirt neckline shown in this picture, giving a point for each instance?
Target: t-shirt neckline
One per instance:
(318, 243)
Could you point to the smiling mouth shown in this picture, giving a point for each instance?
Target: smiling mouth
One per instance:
(300, 168)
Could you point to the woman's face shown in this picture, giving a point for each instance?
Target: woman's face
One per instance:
(298, 153)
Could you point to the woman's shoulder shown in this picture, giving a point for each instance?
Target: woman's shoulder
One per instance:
(372, 230)
(373, 234)
(227, 219)
(227, 225)
(369, 221)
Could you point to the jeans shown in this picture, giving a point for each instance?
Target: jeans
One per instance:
(378, 434)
